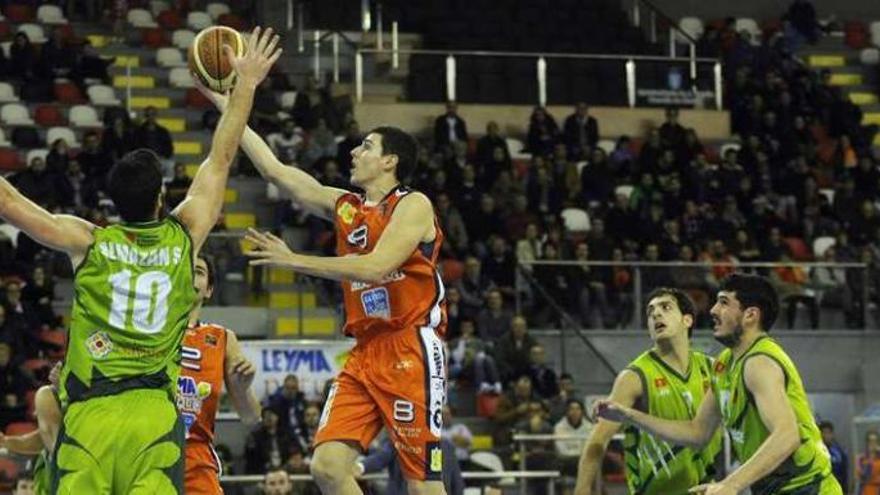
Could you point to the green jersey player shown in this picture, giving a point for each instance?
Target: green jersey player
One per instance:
(758, 396)
(669, 380)
(120, 432)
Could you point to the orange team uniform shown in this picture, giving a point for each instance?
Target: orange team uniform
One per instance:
(396, 373)
(198, 391)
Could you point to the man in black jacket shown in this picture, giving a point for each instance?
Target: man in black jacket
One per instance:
(449, 128)
(580, 131)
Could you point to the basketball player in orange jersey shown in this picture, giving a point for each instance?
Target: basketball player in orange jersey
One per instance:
(387, 241)
(211, 356)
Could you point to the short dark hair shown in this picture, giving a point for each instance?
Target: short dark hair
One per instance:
(569, 402)
(566, 376)
(685, 303)
(754, 291)
(134, 184)
(826, 425)
(209, 262)
(398, 142)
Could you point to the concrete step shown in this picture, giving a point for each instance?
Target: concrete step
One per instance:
(863, 97)
(847, 78)
(826, 60)
(871, 118)
(157, 73)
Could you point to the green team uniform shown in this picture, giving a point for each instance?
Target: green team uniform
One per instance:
(653, 466)
(121, 432)
(42, 473)
(808, 470)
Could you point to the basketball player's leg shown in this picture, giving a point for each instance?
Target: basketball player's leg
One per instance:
(410, 388)
(349, 423)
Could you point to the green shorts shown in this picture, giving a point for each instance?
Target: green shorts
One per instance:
(42, 474)
(131, 443)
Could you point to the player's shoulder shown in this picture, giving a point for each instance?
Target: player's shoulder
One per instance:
(212, 333)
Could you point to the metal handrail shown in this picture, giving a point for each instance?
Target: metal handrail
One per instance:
(697, 264)
(489, 53)
(668, 19)
(468, 475)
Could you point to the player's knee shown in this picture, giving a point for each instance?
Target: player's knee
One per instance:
(327, 469)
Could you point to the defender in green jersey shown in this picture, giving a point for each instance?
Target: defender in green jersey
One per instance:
(121, 432)
(758, 396)
(669, 381)
(41, 441)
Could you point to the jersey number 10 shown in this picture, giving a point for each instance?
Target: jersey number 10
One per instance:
(150, 308)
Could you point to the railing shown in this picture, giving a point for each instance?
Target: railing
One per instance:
(853, 293)
(550, 476)
(628, 66)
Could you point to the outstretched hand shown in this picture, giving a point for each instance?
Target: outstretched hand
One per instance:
(609, 410)
(269, 249)
(260, 54)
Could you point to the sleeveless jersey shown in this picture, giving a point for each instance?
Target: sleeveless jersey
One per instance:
(410, 296)
(198, 390)
(810, 463)
(654, 466)
(133, 295)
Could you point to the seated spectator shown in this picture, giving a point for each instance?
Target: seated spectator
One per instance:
(484, 223)
(831, 288)
(322, 144)
(723, 263)
(544, 195)
(21, 315)
(512, 350)
(790, 281)
(488, 145)
(276, 482)
(544, 380)
(56, 59)
(39, 292)
(512, 409)
(95, 162)
(590, 286)
(454, 313)
(449, 128)
(529, 247)
(36, 182)
(543, 133)
(24, 484)
(118, 139)
(580, 131)
(331, 175)
(494, 320)
(22, 57)
(91, 64)
(175, 191)
(288, 143)
(468, 359)
(385, 457)
(297, 463)
(453, 226)
(473, 286)
(75, 190)
(58, 158)
(500, 267)
(267, 446)
(744, 247)
(672, 134)
(558, 406)
(154, 136)
(573, 424)
(13, 385)
(460, 436)
(304, 435)
(289, 404)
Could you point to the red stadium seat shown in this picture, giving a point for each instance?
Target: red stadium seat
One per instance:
(56, 339)
(5, 31)
(18, 13)
(9, 161)
(798, 248)
(68, 93)
(9, 471)
(232, 21)
(30, 400)
(153, 38)
(195, 99)
(67, 33)
(36, 364)
(48, 116)
(170, 20)
(20, 428)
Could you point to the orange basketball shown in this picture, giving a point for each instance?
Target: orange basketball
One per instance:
(207, 61)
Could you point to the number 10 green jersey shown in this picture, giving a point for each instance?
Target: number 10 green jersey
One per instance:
(133, 295)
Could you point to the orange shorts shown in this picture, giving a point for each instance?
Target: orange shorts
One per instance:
(202, 475)
(396, 380)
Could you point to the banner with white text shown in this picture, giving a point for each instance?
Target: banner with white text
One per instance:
(312, 361)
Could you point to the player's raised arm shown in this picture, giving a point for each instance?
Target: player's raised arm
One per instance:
(695, 433)
(411, 223)
(626, 391)
(298, 184)
(239, 375)
(765, 380)
(201, 207)
(66, 233)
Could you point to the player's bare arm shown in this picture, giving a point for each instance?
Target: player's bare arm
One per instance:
(201, 207)
(299, 185)
(66, 233)
(766, 382)
(238, 374)
(626, 391)
(695, 433)
(48, 419)
(411, 224)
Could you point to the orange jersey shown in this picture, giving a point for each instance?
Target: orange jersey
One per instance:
(198, 393)
(410, 296)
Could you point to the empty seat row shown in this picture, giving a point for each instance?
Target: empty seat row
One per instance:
(196, 20)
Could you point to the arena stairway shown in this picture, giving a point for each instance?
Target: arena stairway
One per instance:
(858, 81)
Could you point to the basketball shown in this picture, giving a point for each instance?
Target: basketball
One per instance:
(207, 61)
